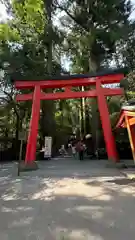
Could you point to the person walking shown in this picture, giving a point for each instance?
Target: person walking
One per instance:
(80, 149)
(62, 151)
(73, 150)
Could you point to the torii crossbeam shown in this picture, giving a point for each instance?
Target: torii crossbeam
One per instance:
(68, 82)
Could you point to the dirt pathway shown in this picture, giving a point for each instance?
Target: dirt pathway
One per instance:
(66, 199)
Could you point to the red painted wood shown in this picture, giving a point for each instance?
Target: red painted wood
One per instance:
(106, 125)
(121, 119)
(112, 91)
(58, 95)
(72, 82)
(33, 129)
(111, 79)
(131, 135)
(132, 128)
(54, 84)
(68, 94)
(24, 97)
(121, 122)
(131, 122)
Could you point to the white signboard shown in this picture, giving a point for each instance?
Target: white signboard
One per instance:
(48, 147)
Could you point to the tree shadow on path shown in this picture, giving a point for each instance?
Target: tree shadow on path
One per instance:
(48, 207)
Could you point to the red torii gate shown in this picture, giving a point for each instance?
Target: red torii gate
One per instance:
(67, 82)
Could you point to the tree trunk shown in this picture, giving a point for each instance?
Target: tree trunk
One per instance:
(48, 111)
(16, 142)
(82, 114)
(94, 109)
(87, 119)
(82, 117)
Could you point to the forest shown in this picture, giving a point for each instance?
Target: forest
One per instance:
(41, 38)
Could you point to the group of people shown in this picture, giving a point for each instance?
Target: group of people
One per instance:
(78, 148)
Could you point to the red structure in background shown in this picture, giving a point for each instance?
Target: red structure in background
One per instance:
(127, 120)
(67, 82)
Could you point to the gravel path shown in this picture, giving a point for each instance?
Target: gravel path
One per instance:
(66, 199)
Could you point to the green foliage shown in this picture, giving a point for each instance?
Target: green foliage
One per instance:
(8, 34)
(128, 84)
(23, 53)
(96, 30)
(30, 14)
(131, 81)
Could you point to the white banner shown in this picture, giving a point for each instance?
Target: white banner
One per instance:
(48, 147)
